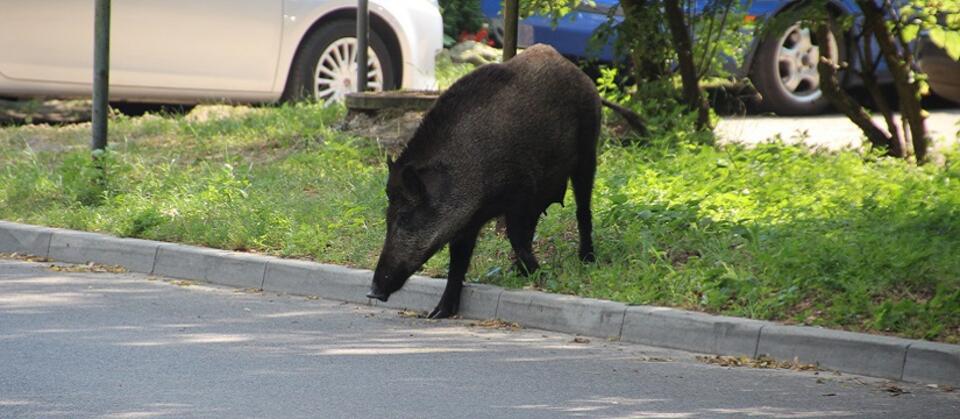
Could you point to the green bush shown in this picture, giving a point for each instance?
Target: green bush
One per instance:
(460, 16)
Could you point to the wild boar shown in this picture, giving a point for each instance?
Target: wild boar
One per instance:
(502, 141)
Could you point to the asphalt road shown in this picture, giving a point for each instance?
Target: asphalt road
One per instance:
(85, 344)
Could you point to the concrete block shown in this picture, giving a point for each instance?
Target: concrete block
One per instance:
(877, 356)
(562, 313)
(691, 331)
(290, 276)
(185, 262)
(241, 270)
(932, 362)
(77, 247)
(327, 281)
(419, 294)
(22, 238)
(479, 301)
(345, 284)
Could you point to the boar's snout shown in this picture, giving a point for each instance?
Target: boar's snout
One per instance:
(376, 293)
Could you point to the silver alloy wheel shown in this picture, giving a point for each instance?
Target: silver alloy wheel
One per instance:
(797, 59)
(336, 72)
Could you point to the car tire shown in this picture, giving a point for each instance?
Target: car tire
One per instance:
(785, 74)
(323, 69)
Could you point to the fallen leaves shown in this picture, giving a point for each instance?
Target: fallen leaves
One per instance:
(762, 362)
(893, 389)
(412, 314)
(946, 388)
(182, 282)
(496, 324)
(89, 267)
(24, 257)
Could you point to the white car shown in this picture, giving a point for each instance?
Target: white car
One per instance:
(190, 51)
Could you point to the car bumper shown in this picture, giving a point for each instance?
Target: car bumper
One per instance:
(420, 29)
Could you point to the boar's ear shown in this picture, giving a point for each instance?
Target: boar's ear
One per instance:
(424, 182)
(412, 184)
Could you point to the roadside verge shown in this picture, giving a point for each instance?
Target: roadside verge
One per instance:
(872, 355)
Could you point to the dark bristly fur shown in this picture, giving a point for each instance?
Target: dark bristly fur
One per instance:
(502, 141)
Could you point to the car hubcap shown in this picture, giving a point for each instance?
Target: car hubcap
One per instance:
(797, 60)
(336, 73)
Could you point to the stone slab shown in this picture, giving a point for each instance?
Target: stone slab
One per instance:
(933, 362)
(562, 313)
(877, 356)
(418, 293)
(290, 276)
(690, 331)
(21, 238)
(77, 247)
(479, 301)
(322, 280)
(240, 270)
(184, 262)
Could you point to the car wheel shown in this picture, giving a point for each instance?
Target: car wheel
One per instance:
(785, 72)
(325, 68)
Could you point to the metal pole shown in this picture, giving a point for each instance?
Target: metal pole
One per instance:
(101, 73)
(363, 23)
(511, 12)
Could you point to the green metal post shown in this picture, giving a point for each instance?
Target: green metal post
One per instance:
(101, 73)
(363, 22)
(511, 12)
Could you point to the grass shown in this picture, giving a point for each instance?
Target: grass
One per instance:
(774, 232)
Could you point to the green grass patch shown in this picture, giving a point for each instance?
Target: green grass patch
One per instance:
(774, 232)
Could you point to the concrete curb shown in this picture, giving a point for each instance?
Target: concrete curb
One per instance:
(878, 356)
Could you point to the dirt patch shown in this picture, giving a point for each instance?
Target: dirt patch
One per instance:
(52, 111)
(390, 129)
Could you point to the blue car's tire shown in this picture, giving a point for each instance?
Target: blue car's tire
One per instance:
(784, 72)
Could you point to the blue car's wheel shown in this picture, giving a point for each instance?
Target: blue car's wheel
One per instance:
(785, 72)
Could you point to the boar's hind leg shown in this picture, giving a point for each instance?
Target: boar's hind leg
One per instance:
(461, 249)
(520, 229)
(582, 190)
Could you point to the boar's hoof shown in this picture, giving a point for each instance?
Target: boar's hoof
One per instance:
(442, 312)
(378, 295)
(588, 257)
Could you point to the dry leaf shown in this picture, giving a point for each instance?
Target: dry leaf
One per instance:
(763, 362)
(411, 314)
(495, 324)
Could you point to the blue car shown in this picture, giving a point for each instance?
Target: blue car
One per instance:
(782, 66)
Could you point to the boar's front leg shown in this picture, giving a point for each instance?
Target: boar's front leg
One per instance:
(461, 249)
(520, 230)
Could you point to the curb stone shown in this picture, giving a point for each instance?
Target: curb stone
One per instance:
(585, 316)
(76, 247)
(691, 331)
(932, 361)
(21, 238)
(878, 356)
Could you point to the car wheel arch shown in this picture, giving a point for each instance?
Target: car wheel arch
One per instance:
(378, 24)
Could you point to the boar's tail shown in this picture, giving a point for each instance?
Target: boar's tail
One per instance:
(632, 118)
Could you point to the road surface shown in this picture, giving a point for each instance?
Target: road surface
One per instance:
(90, 344)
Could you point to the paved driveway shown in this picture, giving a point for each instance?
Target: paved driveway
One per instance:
(831, 131)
